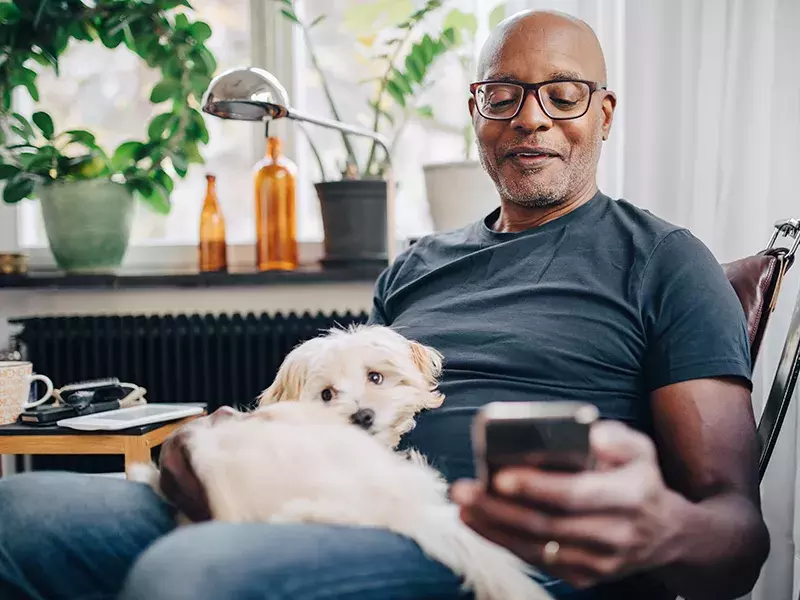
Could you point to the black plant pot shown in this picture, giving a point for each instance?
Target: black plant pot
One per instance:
(353, 221)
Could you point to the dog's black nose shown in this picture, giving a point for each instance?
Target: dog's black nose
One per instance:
(363, 417)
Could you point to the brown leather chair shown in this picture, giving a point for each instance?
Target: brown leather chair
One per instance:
(757, 281)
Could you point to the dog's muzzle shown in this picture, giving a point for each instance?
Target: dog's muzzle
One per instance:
(363, 417)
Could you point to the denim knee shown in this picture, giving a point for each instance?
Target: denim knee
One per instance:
(223, 561)
(70, 535)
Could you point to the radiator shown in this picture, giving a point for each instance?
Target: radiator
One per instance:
(219, 360)
(215, 359)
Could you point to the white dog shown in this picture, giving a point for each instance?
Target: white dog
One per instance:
(298, 457)
(372, 375)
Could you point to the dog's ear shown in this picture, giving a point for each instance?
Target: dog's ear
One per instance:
(288, 382)
(429, 361)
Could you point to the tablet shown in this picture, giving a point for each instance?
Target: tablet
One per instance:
(135, 416)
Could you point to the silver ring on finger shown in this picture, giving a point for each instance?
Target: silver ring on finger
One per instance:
(550, 552)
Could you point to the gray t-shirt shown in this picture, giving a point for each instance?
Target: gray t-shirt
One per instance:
(604, 305)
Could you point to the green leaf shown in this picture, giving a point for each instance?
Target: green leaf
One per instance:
(125, 155)
(402, 82)
(200, 31)
(181, 21)
(395, 92)
(449, 36)
(158, 125)
(290, 15)
(24, 130)
(18, 188)
(497, 15)
(198, 126)
(199, 84)
(9, 13)
(45, 123)
(160, 177)
(415, 67)
(425, 111)
(207, 59)
(32, 90)
(8, 171)
(46, 59)
(193, 154)
(158, 199)
(164, 90)
(317, 21)
(79, 136)
(180, 163)
(427, 48)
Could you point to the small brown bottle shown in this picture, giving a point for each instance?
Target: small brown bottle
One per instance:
(276, 222)
(212, 250)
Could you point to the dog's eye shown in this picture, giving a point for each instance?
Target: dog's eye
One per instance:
(327, 395)
(375, 377)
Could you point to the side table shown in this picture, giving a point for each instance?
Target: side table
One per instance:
(135, 443)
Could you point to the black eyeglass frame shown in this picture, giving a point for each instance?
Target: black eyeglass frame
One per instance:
(594, 86)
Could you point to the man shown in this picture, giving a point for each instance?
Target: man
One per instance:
(562, 293)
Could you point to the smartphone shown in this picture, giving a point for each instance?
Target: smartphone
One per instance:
(546, 435)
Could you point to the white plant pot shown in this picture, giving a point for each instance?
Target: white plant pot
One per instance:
(459, 193)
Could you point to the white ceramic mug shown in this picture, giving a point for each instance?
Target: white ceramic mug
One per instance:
(16, 378)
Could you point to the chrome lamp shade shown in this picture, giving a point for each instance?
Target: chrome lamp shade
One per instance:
(246, 94)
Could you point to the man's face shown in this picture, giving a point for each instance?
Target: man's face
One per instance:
(533, 54)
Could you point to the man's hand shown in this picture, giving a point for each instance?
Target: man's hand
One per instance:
(178, 481)
(587, 527)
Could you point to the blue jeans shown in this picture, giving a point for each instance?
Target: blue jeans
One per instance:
(65, 535)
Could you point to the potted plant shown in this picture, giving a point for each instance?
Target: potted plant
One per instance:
(86, 192)
(461, 192)
(353, 206)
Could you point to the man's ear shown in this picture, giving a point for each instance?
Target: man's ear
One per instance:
(288, 382)
(608, 107)
(429, 361)
(471, 106)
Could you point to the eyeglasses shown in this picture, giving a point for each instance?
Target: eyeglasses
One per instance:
(560, 99)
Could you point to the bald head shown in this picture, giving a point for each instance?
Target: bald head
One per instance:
(541, 149)
(530, 31)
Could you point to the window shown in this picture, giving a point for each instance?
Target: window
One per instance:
(107, 92)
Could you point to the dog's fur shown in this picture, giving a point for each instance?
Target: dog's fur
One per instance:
(342, 362)
(299, 458)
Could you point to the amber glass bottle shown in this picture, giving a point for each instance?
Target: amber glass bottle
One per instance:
(212, 250)
(276, 227)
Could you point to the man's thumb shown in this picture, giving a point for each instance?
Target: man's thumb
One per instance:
(614, 444)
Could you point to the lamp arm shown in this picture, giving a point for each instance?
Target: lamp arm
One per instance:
(339, 126)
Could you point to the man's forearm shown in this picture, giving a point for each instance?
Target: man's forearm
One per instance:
(717, 549)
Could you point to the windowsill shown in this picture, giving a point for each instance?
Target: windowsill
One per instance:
(305, 274)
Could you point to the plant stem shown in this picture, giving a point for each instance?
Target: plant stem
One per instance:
(351, 155)
(381, 92)
(314, 151)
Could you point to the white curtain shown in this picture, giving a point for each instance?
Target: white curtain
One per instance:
(712, 142)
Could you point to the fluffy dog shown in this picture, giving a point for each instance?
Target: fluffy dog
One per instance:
(372, 375)
(321, 448)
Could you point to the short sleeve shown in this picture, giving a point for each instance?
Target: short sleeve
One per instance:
(695, 325)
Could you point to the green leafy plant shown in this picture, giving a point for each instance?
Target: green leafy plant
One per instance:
(37, 32)
(406, 59)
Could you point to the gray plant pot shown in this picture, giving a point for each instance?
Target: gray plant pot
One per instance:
(354, 221)
(88, 223)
